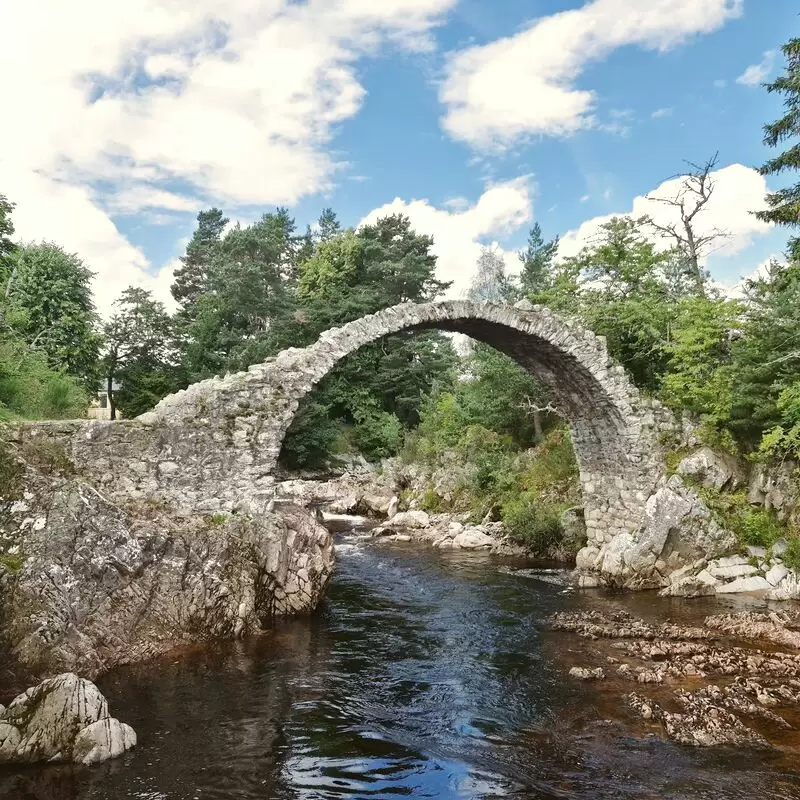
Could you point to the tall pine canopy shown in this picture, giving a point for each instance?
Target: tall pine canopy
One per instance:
(784, 204)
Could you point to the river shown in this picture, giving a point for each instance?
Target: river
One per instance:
(424, 674)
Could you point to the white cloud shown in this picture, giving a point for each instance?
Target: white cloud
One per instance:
(585, 198)
(756, 74)
(736, 194)
(736, 291)
(660, 113)
(526, 84)
(125, 101)
(67, 215)
(458, 234)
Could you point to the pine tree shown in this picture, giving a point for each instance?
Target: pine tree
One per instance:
(784, 204)
(537, 263)
(191, 278)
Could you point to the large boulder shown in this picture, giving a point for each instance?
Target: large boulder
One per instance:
(64, 718)
(777, 488)
(409, 520)
(92, 585)
(712, 469)
(678, 530)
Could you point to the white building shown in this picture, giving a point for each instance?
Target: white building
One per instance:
(100, 406)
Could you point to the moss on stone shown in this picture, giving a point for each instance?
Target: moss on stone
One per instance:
(11, 473)
(50, 458)
(12, 561)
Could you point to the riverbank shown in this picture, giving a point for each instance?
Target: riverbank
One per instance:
(426, 672)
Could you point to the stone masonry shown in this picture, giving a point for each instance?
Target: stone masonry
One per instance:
(215, 445)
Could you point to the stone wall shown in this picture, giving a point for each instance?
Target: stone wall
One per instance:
(215, 445)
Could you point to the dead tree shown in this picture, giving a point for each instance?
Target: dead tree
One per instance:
(692, 196)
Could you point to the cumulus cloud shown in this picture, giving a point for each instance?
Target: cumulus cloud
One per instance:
(125, 101)
(736, 192)
(736, 291)
(458, 234)
(756, 74)
(526, 84)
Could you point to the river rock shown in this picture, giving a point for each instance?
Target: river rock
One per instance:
(473, 539)
(754, 583)
(733, 571)
(102, 585)
(586, 674)
(64, 718)
(776, 574)
(677, 531)
(787, 589)
(409, 519)
(701, 585)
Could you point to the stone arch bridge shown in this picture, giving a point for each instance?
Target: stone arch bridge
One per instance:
(215, 445)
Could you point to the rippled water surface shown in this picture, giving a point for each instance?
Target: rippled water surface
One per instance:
(424, 675)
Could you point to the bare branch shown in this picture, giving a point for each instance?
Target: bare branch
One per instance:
(529, 405)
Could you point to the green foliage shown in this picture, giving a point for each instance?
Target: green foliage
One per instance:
(31, 389)
(378, 433)
(533, 525)
(750, 525)
(783, 440)
(50, 307)
(759, 527)
(215, 520)
(140, 352)
(191, 278)
(766, 358)
(700, 377)
(784, 204)
(536, 274)
(311, 436)
(7, 246)
(431, 502)
(791, 557)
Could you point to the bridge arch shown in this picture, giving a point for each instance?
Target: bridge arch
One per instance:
(239, 421)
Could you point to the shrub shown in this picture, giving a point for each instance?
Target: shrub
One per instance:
(431, 502)
(759, 527)
(791, 558)
(378, 434)
(31, 389)
(531, 524)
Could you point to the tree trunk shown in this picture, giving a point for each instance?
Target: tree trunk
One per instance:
(110, 392)
(537, 426)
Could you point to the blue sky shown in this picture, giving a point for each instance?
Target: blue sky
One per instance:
(475, 117)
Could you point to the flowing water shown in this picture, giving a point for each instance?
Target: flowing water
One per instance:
(425, 674)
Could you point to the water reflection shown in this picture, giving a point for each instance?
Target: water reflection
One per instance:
(424, 675)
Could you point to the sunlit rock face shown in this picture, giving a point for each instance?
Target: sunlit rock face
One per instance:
(64, 718)
(89, 582)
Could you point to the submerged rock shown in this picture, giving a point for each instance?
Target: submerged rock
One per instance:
(64, 718)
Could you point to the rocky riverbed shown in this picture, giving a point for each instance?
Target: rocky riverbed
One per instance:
(733, 679)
